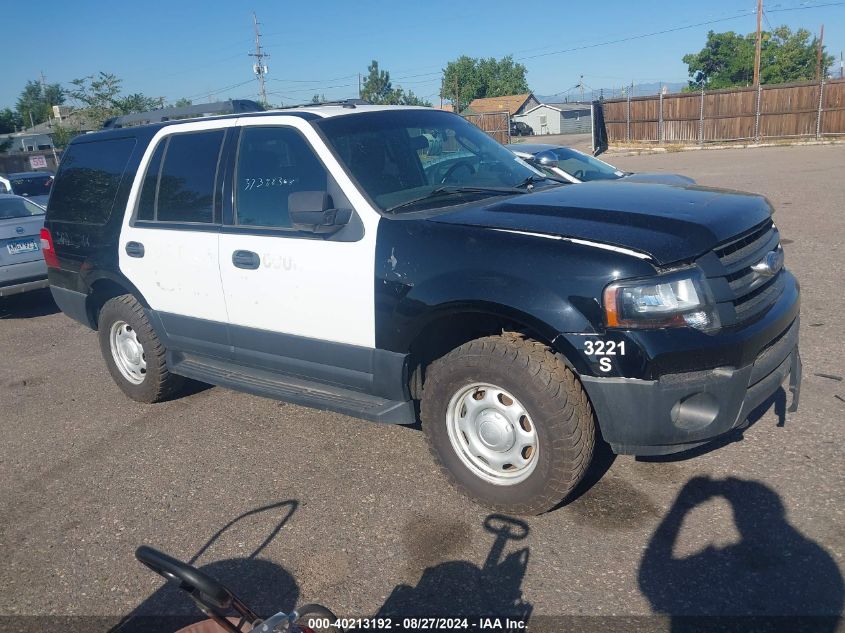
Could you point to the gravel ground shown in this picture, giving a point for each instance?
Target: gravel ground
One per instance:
(292, 505)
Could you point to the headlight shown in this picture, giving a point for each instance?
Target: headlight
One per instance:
(680, 299)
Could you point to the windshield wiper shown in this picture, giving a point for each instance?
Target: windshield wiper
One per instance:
(529, 182)
(450, 191)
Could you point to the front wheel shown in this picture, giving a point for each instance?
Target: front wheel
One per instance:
(509, 423)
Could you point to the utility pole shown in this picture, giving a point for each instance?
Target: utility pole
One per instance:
(359, 85)
(457, 96)
(259, 67)
(841, 66)
(44, 92)
(581, 86)
(819, 69)
(759, 43)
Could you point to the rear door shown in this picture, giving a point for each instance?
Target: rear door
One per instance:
(169, 245)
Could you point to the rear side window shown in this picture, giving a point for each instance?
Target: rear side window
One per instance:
(89, 177)
(185, 188)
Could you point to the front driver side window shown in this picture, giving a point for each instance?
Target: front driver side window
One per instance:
(273, 162)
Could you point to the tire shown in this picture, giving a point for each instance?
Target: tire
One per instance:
(308, 613)
(148, 380)
(523, 375)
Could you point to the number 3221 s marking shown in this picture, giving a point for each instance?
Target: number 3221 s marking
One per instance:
(604, 349)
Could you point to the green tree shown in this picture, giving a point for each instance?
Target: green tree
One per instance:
(318, 98)
(468, 78)
(63, 135)
(136, 103)
(378, 88)
(97, 95)
(182, 103)
(727, 59)
(36, 100)
(10, 121)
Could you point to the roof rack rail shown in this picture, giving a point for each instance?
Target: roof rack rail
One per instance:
(346, 103)
(233, 106)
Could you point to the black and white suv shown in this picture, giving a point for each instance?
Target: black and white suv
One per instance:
(380, 261)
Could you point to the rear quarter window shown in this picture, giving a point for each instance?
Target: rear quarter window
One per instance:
(89, 176)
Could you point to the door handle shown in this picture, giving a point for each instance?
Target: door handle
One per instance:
(134, 249)
(246, 259)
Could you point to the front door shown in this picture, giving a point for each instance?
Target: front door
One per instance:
(298, 302)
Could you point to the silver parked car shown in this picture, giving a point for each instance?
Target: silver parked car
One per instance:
(574, 166)
(22, 266)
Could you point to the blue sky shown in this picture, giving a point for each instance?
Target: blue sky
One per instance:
(199, 49)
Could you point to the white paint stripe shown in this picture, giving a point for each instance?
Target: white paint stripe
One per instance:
(607, 247)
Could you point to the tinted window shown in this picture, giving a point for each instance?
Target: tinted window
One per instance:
(11, 207)
(88, 179)
(186, 186)
(32, 185)
(146, 205)
(274, 162)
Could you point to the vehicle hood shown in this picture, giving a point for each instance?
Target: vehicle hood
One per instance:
(671, 224)
(660, 179)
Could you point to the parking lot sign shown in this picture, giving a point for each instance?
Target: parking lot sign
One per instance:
(38, 162)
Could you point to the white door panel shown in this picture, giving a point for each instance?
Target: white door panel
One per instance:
(315, 288)
(179, 271)
(312, 288)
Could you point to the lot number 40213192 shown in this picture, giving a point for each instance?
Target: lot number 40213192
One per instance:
(604, 350)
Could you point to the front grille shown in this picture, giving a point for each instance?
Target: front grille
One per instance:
(751, 292)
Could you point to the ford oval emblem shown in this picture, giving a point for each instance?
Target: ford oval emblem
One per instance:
(19, 230)
(770, 265)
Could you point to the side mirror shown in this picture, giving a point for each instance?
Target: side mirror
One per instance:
(312, 211)
(546, 158)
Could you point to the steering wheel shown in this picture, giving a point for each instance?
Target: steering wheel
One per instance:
(579, 174)
(461, 163)
(213, 598)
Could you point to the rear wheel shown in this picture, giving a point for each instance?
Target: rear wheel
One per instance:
(134, 355)
(508, 422)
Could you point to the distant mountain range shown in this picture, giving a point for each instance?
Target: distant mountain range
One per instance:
(640, 90)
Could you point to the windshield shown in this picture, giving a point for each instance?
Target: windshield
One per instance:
(585, 167)
(411, 158)
(11, 207)
(32, 185)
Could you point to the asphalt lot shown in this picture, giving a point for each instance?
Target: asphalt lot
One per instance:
(355, 516)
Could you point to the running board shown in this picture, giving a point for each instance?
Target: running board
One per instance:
(293, 389)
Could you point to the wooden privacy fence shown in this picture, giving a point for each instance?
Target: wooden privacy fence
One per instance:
(496, 124)
(805, 110)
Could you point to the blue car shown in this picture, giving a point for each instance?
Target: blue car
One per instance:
(34, 185)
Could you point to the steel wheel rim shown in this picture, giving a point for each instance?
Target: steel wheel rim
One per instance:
(492, 434)
(127, 352)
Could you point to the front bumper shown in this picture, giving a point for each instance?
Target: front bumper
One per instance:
(681, 411)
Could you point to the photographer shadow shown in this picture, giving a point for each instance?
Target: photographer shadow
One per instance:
(461, 589)
(266, 587)
(773, 579)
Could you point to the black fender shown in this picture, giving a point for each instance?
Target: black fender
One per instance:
(427, 272)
